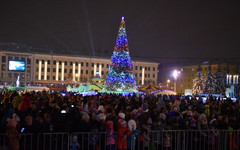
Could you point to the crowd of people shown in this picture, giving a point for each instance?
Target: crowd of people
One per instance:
(39, 112)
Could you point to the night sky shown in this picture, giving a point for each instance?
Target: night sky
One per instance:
(164, 31)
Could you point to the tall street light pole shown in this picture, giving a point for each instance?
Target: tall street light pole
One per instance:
(175, 75)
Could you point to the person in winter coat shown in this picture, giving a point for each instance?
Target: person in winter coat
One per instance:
(131, 139)
(110, 144)
(122, 133)
(12, 134)
(25, 103)
(75, 145)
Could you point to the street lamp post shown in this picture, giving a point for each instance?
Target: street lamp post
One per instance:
(175, 75)
(168, 81)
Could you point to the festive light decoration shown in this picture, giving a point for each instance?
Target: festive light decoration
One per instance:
(120, 77)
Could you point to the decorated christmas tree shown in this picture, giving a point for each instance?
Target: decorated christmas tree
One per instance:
(220, 82)
(210, 82)
(198, 82)
(120, 76)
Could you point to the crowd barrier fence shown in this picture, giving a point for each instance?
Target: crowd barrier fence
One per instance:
(153, 140)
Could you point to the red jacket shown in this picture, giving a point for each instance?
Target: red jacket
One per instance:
(122, 133)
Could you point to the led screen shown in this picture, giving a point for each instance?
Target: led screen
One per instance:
(15, 65)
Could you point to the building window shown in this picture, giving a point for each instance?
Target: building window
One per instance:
(92, 64)
(60, 70)
(65, 63)
(3, 59)
(47, 77)
(76, 63)
(65, 70)
(145, 68)
(86, 71)
(153, 75)
(54, 77)
(42, 69)
(59, 78)
(136, 67)
(42, 61)
(153, 68)
(48, 62)
(28, 69)
(36, 77)
(135, 74)
(102, 65)
(54, 62)
(42, 77)
(86, 64)
(10, 75)
(140, 74)
(65, 78)
(3, 67)
(107, 65)
(37, 61)
(48, 69)
(70, 70)
(36, 68)
(92, 72)
(54, 69)
(60, 62)
(82, 64)
(145, 75)
(149, 75)
(149, 68)
(70, 63)
(28, 61)
(102, 72)
(140, 67)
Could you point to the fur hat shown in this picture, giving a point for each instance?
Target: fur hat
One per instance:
(121, 115)
(131, 123)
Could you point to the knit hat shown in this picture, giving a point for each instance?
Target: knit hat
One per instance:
(121, 115)
(101, 109)
(190, 113)
(145, 107)
(149, 121)
(16, 117)
(101, 116)
(123, 123)
(85, 117)
(163, 116)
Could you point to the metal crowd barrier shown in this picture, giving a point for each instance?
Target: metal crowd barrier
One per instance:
(153, 140)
